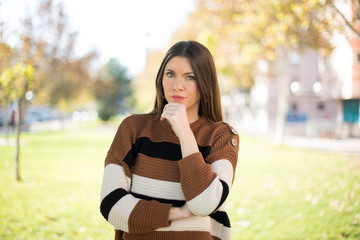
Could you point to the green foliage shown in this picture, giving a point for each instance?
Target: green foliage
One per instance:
(6, 52)
(112, 89)
(46, 42)
(106, 111)
(240, 33)
(15, 83)
(17, 80)
(278, 192)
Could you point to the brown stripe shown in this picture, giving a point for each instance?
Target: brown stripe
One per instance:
(196, 182)
(157, 168)
(118, 234)
(196, 175)
(158, 134)
(148, 216)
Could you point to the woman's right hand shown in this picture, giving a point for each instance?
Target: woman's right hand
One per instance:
(177, 213)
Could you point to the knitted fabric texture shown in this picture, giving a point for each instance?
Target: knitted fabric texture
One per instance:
(145, 175)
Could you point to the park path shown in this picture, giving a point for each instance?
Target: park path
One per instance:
(348, 146)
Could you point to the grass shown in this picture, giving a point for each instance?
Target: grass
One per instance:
(278, 193)
(289, 193)
(59, 196)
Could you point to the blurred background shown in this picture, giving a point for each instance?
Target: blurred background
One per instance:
(285, 68)
(289, 73)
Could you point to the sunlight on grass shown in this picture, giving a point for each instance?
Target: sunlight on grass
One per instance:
(288, 193)
(278, 193)
(59, 197)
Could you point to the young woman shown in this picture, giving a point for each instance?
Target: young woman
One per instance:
(168, 172)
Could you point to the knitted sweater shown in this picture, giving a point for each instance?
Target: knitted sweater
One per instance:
(145, 175)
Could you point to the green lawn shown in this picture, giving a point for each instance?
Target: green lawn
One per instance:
(278, 193)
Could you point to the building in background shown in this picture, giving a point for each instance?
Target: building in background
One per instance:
(323, 92)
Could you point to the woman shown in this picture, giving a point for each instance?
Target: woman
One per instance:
(168, 173)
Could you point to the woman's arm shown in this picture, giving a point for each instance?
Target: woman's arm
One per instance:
(205, 186)
(118, 206)
(125, 212)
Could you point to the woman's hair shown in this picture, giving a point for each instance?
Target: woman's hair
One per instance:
(203, 66)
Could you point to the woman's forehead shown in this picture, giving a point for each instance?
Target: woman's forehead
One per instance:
(181, 64)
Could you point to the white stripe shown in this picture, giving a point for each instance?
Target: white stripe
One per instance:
(156, 188)
(114, 178)
(219, 230)
(189, 224)
(120, 212)
(205, 224)
(212, 194)
(206, 202)
(224, 169)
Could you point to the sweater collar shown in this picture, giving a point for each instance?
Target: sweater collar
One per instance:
(197, 124)
(194, 125)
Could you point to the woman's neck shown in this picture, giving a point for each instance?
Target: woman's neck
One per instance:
(192, 117)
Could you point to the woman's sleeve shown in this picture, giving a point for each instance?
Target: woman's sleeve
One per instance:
(207, 185)
(118, 206)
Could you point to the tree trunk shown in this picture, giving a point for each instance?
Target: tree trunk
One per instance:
(282, 95)
(6, 124)
(17, 144)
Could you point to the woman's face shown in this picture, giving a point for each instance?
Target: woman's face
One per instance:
(180, 86)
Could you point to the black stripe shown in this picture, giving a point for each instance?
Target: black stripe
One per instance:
(224, 194)
(221, 217)
(162, 150)
(110, 200)
(205, 151)
(129, 159)
(175, 203)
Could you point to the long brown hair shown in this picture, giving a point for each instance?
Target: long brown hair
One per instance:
(204, 69)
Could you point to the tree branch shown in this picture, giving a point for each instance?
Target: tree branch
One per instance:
(348, 23)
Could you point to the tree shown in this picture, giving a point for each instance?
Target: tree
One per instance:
(48, 44)
(350, 23)
(17, 81)
(6, 56)
(240, 33)
(45, 43)
(112, 89)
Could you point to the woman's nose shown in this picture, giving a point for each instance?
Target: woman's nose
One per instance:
(178, 84)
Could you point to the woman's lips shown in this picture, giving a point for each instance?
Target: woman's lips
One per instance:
(177, 97)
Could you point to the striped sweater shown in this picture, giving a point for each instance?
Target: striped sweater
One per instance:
(145, 175)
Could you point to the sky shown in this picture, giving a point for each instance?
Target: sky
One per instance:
(124, 29)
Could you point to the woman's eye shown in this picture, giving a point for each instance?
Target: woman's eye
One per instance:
(169, 74)
(191, 77)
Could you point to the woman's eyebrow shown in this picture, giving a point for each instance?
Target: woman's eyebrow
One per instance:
(170, 70)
